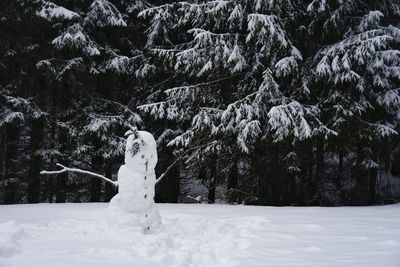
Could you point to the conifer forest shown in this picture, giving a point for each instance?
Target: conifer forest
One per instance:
(259, 102)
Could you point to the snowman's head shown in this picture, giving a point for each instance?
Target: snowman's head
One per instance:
(140, 147)
(135, 142)
(137, 145)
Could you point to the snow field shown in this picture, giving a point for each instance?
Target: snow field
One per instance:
(201, 235)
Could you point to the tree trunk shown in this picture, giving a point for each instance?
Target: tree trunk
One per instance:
(167, 190)
(372, 187)
(372, 184)
(233, 176)
(340, 177)
(340, 168)
(2, 151)
(11, 151)
(360, 191)
(53, 110)
(308, 187)
(62, 178)
(212, 181)
(211, 191)
(95, 184)
(320, 172)
(35, 162)
(61, 186)
(109, 190)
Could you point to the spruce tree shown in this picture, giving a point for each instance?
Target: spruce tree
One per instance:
(238, 77)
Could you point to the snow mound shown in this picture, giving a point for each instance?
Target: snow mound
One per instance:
(10, 234)
(184, 241)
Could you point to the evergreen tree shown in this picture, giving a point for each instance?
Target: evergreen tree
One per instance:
(240, 77)
(357, 75)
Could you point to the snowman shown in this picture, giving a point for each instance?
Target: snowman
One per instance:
(134, 205)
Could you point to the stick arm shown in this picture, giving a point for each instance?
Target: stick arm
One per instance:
(67, 169)
(177, 160)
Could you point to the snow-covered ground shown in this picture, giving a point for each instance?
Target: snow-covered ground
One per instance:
(49, 235)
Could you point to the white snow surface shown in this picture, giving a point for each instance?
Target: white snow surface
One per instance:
(49, 235)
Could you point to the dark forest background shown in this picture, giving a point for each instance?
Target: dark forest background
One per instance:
(257, 102)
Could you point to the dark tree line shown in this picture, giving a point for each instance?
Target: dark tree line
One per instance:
(257, 102)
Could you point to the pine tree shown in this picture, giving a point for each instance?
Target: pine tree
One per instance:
(69, 58)
(358, 76)
(238, 74)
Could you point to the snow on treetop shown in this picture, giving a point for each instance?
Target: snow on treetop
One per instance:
(370, 20)
(75, 38)
(119, 64)
(52, 11)
(103, 13)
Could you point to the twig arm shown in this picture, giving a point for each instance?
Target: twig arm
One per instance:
(176, 161)
(168, 169)
(67, 169)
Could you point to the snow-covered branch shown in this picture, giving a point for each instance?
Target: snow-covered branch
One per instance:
(67, 169)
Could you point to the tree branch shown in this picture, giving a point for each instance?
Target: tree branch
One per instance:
(176, 161)
(122, 106)
(67, 169)
(169, 168)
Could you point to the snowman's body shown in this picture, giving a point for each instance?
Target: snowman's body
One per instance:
(134, 205)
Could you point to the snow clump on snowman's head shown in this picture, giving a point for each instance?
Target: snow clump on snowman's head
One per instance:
(137, 141)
